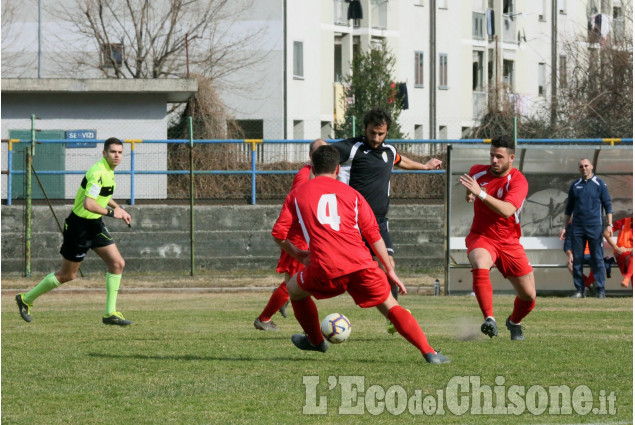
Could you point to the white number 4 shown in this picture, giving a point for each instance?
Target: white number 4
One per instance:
(327, 211)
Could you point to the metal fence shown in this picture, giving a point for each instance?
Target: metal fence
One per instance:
(238, 169)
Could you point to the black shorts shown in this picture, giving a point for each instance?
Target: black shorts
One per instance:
(382, 222)
(82, 234)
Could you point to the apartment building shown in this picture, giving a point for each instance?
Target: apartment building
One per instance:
(452, 55)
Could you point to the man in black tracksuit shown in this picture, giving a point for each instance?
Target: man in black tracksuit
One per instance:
(366, 164)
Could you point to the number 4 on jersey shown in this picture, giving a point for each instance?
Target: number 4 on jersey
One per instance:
(327, 211)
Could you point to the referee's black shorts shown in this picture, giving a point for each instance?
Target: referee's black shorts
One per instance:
(82, 234)
(382, 222)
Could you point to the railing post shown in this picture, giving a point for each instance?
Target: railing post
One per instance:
(10, 165)
(253, 168)
(191, 196)
(132, 166)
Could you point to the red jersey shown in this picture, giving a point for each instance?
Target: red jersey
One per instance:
(295, 235)
(625, 227)
(511, 188)
(331, 214)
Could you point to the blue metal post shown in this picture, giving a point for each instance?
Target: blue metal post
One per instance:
(132, 155)
(253, 175)
(10, 176)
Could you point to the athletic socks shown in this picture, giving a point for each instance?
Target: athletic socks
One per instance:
(112, 287)
(521, 309)
(482, 286)
(306, 313)
(408, 327)
(49, 283)
(279, 297)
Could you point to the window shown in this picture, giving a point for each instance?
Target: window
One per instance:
(112, 54)
(298, 129)
(478, 26)
(443, 4)
(562, 7)
(562, 72)
(542, 73)
(618, 22)
(326, 130)
(337, 61)
(508, 73)
(477, 71)
(298, 59)
(418, 69)
(443, 71)
(542, 17)
(418, 131)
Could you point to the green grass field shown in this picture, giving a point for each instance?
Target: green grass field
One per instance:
(196, 359)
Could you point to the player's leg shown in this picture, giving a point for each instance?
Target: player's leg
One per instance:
(625, 264)
(523, 304)
(115, 264)
(306, 313)
(276, 302)
(481, 259)
(67, 272)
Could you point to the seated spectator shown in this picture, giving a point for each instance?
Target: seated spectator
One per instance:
(623, 248)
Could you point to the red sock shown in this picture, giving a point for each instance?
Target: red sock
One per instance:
(306, 313)
(588, 280)
(482, 286)
(408, 327)
(521, 309)
(276, 301)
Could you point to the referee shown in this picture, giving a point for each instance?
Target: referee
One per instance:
(84, 229)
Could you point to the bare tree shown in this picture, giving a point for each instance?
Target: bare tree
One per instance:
(13, 53)
(147, 39)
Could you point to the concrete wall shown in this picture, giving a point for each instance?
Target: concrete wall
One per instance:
(227, 238)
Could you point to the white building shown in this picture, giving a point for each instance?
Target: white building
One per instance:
(450, 53)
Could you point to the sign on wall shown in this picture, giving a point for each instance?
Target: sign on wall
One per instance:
(81, 134)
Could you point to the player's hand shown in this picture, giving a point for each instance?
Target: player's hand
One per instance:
(122, 214)
(470, 184)
(434, 164)
(562, 233)
(392, 276)
(469, 197)
(619, 250)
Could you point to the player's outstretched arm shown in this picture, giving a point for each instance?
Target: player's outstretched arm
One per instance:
(409, 164)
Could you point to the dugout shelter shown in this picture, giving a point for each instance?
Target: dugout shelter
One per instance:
(550, 168)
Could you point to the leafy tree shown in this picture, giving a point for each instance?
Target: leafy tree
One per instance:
(369, 85)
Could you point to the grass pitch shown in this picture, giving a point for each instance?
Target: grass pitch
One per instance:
(196, 358)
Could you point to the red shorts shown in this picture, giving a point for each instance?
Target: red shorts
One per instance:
(508, 256)
(288, 264)
(368, 287)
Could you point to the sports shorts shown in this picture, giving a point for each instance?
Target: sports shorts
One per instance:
(508, 256)
(382, 222)
(82, 234)
(288, 264)
(368, 287)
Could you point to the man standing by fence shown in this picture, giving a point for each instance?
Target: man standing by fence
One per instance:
(84, 229)
(588, 196)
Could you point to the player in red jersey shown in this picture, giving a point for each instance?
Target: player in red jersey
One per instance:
(494, 237)
(287, 264)
(332, 215)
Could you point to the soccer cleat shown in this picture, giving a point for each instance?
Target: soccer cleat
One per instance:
(489, 327)
(115, 318)
(283, 310)
(265, 326)
(516, 330)
(601, 294)
(25, 309)
(436, 358)
(302, 342)
(578, 295)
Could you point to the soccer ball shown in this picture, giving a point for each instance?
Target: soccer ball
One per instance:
(336, 328)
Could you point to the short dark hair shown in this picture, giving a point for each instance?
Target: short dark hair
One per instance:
(504, 141)
(378, 116)
(325, 159)
(112, 141)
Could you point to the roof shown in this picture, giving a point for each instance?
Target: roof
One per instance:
(175, 90)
